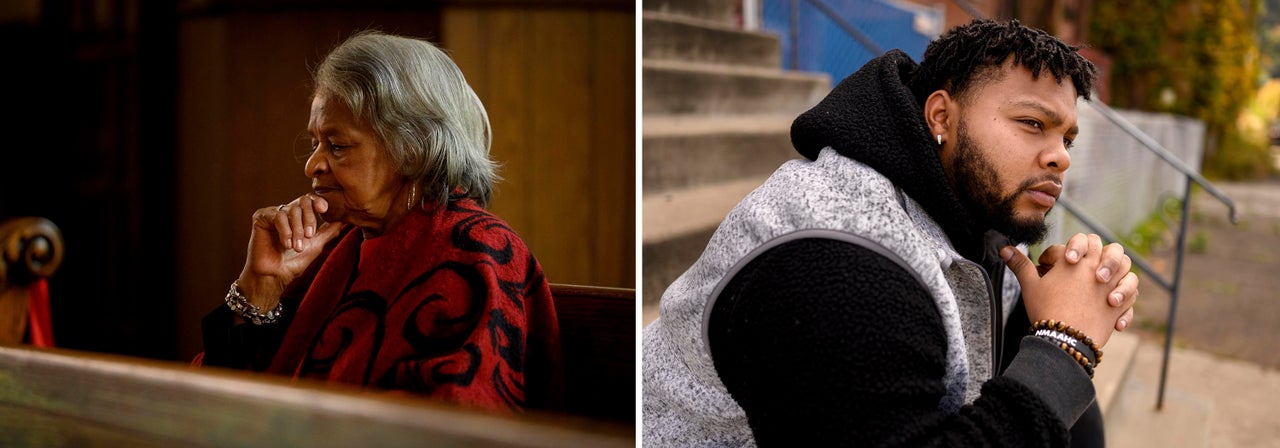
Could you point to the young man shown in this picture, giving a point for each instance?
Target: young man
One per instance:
(860, 297)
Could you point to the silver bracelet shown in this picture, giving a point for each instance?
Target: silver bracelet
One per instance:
(240, 305)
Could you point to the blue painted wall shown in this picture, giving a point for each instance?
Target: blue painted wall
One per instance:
(825, 47)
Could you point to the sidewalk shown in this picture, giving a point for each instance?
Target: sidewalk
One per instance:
(1230, 298)
(1210, 401)
(1224, 375)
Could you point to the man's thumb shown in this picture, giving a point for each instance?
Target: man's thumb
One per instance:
(1019, 264)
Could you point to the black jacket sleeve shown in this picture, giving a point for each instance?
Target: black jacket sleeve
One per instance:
(242, 346)
(827, 343)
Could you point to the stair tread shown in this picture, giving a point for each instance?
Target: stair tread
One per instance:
(693, 125)
(1118, 358)
(695, 21)
(676, 213)
(721, 11)
(732, 70)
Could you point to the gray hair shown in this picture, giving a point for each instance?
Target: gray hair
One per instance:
(431, 123)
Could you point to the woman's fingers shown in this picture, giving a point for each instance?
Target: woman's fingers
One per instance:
(295, 223)
(308, 216)
(284, 231)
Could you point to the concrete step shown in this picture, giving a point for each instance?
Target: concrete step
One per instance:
(720, 11)
(1109, 377)
(1185, 420)
(685, 152)
(673, 37)
(664, 261)
(688, 88)
(677, 225)
(676, 213)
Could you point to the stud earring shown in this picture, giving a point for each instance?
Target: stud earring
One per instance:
(939, 139)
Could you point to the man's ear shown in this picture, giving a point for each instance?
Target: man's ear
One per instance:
(939, 113)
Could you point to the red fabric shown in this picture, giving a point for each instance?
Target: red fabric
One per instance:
(39, 323)
(449, 303)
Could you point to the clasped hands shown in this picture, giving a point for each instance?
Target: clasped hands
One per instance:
(1081, 283)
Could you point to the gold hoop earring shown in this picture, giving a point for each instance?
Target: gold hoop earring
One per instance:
(413, 191)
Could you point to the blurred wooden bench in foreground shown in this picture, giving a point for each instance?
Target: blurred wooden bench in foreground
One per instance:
(57, 397)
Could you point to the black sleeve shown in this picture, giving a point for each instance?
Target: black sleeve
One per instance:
(1089, 430)
(827, 343)
(245, 346)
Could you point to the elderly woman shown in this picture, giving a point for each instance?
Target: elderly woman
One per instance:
(390, 273)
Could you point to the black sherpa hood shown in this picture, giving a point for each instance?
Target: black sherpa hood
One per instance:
(873, 117)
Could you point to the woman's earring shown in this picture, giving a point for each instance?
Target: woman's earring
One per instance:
(939, 139)
(413, 191)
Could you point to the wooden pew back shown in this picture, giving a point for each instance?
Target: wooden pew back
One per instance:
(598, 339)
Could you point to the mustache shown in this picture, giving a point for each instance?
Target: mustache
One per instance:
(1030, 182)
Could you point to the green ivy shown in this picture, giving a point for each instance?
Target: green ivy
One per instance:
(1198, 58)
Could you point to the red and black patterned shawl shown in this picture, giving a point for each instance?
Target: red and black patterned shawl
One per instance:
(450, 303)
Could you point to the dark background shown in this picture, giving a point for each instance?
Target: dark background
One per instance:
(149, 131)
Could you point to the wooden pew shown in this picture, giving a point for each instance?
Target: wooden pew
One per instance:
(58, 397)
(598, 339)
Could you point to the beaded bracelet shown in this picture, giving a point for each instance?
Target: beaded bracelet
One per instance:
(1079, 357)
(1074, 335)
(241, 306)
(1058, 336)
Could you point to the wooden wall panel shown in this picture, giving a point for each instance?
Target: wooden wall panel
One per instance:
(560, 169)
(506, 55)
(559, 85)
(205, 220)
(613, 137)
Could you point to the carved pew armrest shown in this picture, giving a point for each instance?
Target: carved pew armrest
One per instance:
(30, 249)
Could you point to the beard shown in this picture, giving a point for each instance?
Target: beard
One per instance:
(978, 183)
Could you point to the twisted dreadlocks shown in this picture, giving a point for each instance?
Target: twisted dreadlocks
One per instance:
(971, 55)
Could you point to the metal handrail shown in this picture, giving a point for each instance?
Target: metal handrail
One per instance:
(1163, 153)
(1172, 286)
(1191, 175)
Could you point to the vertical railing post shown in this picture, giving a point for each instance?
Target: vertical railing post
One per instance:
(795, 34)
(1173, 292)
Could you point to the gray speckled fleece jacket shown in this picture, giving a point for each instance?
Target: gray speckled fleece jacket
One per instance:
(685, 403)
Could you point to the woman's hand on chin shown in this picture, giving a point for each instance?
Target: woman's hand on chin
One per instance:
(284, 241)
